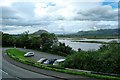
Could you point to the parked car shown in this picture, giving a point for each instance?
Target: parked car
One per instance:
(58, 61)
(28, 54)
(50, 61)
(42, 60)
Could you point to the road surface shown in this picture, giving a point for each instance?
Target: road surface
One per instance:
(11, 71)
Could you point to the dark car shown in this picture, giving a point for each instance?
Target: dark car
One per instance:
(50, 61)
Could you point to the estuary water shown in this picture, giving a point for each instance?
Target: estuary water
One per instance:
(84, 46)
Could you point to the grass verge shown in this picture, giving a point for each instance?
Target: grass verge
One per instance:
(19, 56)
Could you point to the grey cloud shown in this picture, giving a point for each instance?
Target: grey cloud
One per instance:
(106, 26)
(26, 9)
(20, 17)
(13, 17)
(23, 23)
(8, 13)
(4, 28)
(105, 13)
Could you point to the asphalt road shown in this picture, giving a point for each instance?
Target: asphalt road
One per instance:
(11, 71)
(25, 71)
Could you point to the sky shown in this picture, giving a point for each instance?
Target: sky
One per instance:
(57, 16)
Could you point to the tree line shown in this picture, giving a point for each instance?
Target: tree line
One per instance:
(46, 42)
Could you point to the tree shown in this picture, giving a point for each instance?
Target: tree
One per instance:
(24, 39)
(47, 40)
(106, 59)
(35, 42)
(79, 49)
(7, 40)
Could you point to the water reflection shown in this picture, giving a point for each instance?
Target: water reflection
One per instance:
(84, 46)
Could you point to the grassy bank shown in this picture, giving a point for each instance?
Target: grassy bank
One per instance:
(17, 53)
(18, 56)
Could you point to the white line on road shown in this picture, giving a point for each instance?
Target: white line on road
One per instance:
(7, 74)
(18, 78)
(3, 71)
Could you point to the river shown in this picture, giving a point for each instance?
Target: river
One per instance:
(83, 45)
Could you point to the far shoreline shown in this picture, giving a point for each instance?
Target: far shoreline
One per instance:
(90, 37)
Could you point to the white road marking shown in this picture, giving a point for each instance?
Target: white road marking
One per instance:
(18, 78)
(3, 71)
(7, 74)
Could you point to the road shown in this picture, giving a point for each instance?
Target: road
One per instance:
(17, 70)
(11, 71)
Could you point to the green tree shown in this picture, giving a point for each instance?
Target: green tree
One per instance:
(35, 42)
(106, 59)
(79, 49)
(7, 40)
(47, 41)
(24, 39)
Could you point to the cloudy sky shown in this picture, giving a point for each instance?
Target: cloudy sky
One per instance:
(57, 16)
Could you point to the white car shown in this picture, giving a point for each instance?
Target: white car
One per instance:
(42, 60)
(58, 61)
(29, 54)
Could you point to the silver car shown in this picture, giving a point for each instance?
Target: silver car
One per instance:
(28, 54)
(58, 61)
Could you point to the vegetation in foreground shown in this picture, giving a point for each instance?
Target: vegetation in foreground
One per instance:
(106, 59)
(18, 56)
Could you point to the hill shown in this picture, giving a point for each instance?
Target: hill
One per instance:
(101, 32)
(40, 32)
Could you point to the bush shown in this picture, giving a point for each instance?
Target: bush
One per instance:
(104, 60)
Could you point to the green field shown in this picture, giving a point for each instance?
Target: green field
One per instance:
(17, 53)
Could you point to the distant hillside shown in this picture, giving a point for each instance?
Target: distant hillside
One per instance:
(101, 32)
(40, 32)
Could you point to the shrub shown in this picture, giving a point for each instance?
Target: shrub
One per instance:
(106, 59)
